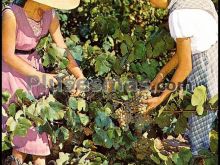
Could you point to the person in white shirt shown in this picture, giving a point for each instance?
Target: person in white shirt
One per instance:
(194, 26)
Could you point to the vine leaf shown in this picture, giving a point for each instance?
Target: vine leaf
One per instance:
(213, 100)
(5, 97)
(199, 96)
(102, 66)
(63, 158)
(124, 49)
(81, 104)
(73, 103)
(84, 119)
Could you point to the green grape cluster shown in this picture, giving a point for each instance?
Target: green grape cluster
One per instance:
(124, 118)
(133, 111)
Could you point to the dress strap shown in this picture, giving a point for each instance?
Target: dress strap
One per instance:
(7, 7)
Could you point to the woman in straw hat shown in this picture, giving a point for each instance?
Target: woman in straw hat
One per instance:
(194, 26)
(24, 23)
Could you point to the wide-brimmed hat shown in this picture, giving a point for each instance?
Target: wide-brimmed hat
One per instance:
(60, 4)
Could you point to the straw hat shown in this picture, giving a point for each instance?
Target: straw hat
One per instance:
(60, 4)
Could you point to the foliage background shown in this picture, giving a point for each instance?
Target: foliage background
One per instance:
(111, 39)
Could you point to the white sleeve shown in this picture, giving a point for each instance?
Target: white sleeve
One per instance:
(181, 24)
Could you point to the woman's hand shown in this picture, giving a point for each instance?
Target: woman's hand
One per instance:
(78, 86)
(48, 80)
(157, 80)
(152, 103)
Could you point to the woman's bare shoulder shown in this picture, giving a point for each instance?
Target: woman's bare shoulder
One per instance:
(8, 16)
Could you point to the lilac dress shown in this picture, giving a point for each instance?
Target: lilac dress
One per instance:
(28, 35)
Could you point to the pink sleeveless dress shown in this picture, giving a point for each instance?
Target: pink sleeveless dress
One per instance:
(26, 39)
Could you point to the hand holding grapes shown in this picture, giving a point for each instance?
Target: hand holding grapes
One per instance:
(157, 80)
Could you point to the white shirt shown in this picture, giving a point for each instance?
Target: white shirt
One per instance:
(197, 24)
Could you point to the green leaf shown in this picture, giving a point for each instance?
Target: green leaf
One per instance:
(56, 52)
(102, 120)
(159, 48)
(62, 134)
(127, 38)
(213, 141)
(101, 138)
(77, 52)
(24, 121)
(131, 57)
(18, 114)
(12, 110)
(213, 100)
(45, 128)
(200, 110)
(88, 144)
(199, 96)
(5, 97)
(37, 120)
(185, 154)
(81, 104)
(181, 125)
(73, 103)
(149, 50)
(20, 94)
(53, 111)
(164, 120)
(155, 159)
(125, 97)
(102, 66)
(177, 159)
(63, 158)
(6, 142)
(124, 49)
(64, 63)
(150, 69)
(70, 117)
(163, 157)
(75, 39)
(11, 124)
(47, 60)
(118, 66)
(20, 130)
(84, 119)
(139, 50)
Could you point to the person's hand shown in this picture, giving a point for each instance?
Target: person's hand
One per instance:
(78, 86)
(152, 103)
(48, 80)
(157, 80)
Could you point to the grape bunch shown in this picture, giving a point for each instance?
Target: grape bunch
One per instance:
(137, 106)
(132, 112)
(124, 118)
(143, 14)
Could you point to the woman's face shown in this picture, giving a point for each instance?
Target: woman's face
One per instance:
(159, 3)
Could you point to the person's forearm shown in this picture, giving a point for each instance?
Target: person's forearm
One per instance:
(20, 66)
(73, 66)
(170, 65)
(179, 76)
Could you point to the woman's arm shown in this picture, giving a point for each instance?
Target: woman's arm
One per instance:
(8, 46)
(173, 62)
(183, 70)
(58, 39)
(184, 67)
